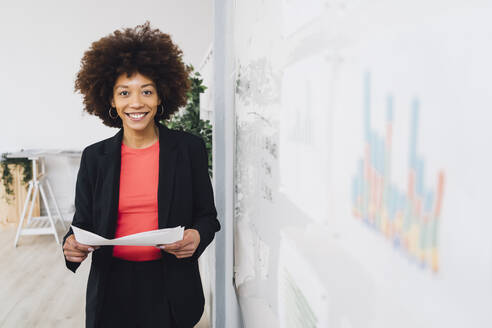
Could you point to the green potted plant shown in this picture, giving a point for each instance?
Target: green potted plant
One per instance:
(190, 120)
(7, 177)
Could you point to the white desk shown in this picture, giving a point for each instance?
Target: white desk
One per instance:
(41, 225)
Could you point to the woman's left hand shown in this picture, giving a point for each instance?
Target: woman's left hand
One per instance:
(184, 247)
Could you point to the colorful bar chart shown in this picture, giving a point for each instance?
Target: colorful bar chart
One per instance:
(408, 216)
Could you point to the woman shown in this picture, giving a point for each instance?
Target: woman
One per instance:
(145, 177)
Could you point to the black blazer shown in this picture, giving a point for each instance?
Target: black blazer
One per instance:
(185, 197)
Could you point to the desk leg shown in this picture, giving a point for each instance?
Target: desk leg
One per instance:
(34, 195)
(50, 217)
(21, 220)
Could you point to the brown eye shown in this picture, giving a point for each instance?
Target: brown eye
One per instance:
(121, 93)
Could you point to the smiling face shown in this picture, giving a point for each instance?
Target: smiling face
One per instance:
(136, 101)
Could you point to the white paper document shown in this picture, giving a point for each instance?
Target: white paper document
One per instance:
(147, 238)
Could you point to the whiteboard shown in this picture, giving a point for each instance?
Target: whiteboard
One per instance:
(362, 165)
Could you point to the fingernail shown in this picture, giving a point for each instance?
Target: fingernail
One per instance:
(91, 249)
(162, 247)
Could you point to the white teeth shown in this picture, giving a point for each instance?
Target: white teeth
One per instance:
(137, 116)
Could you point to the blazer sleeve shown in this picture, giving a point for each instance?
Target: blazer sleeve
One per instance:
(83, 206)
(204, 212)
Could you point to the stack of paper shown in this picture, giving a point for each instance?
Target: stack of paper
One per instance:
(147, 238)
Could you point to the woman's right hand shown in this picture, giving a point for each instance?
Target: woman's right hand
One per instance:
(75, 251)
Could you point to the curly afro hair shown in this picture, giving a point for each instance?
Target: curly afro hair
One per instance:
(132, 50)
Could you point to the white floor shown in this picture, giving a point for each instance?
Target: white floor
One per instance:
(36, 290)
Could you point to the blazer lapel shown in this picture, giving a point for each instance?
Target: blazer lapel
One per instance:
(111, 186)
(111, 183)
(167, 165)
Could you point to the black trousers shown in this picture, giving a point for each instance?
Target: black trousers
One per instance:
(135, 296)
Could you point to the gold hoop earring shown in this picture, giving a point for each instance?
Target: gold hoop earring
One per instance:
(111, 115)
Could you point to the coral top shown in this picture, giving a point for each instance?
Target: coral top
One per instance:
(137, 209)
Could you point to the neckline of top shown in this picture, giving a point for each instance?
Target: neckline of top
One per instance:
(136, 150)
